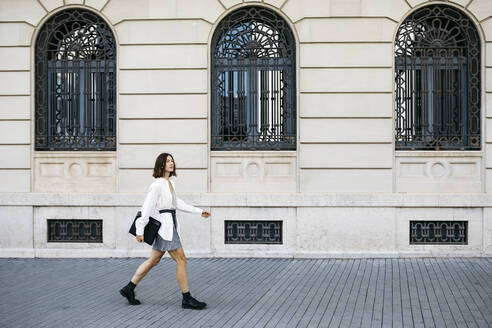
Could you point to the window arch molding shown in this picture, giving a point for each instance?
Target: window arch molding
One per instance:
(438, 79)
(261, 77)
(75, 82)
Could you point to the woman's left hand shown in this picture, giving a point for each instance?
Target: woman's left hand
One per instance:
(205, 214)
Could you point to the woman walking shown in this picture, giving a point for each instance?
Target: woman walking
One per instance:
(162, 197)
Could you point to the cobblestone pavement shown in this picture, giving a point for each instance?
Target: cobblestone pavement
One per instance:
(427, 292)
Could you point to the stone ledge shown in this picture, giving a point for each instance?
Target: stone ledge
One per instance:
(256, 199)
(126, 253)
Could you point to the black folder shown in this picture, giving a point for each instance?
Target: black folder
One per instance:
(150, 230)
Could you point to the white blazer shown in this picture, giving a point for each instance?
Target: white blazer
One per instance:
(158, 198)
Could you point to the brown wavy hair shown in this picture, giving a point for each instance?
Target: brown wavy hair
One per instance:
(160, 164)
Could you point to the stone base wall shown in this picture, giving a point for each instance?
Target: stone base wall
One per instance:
(314, 225)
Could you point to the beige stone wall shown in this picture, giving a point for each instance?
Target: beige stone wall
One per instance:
(16, 30)
(314, 225)
(343, 192)
(344, 102)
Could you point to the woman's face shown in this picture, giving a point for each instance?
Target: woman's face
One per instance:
(169, 164)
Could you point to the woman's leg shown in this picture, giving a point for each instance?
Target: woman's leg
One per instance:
(128, 291)
(144, 268)
(189, 302)
(179, 257)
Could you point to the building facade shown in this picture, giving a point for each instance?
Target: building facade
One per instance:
(309, 128)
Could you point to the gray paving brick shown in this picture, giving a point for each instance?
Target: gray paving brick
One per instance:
(349, 308)
(250, 293)
(329, 290)
(356, 320)
(320, 292)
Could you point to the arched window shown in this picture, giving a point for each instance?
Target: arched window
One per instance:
(253, 82)
(437, 81)
(75, 83)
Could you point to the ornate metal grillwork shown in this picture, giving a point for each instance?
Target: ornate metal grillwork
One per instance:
(75, 83)
(253, 82)
(437, 81)
(439, 232)
(253, 232)
(75, 231)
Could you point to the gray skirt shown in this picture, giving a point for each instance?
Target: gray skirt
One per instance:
(165, 245)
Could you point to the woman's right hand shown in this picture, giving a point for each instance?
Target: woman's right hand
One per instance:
(139, 238)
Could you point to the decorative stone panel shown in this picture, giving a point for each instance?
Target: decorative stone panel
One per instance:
(443, 172)
(247, 171)
(75, 172)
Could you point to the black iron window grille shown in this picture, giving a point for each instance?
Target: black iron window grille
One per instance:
(437, 81)
(253, 82)
(75, 231)
(75, 83)
(253, 232)
(439, 232)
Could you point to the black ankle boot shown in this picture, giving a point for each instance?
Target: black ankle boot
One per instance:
(191, 303)
(129, 294)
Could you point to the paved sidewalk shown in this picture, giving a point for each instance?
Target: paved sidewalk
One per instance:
(250, 293)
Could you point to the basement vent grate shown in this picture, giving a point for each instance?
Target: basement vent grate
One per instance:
(75, 231)
(253, 232)
(439, 232)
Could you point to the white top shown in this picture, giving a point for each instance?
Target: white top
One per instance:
(158, 198)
